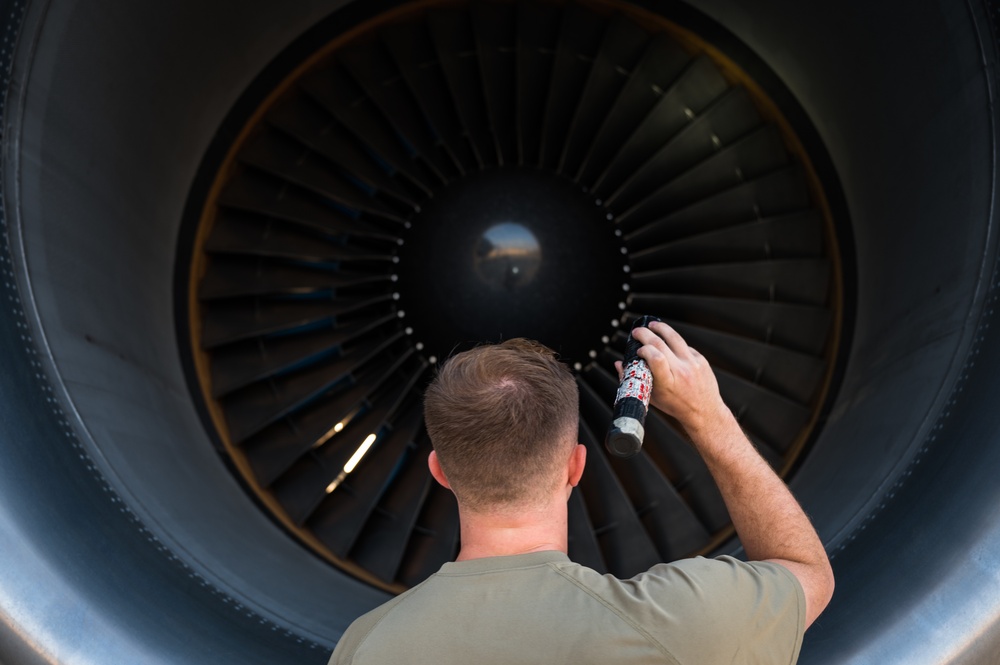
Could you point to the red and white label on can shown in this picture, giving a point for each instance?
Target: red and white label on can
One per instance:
(637, 382)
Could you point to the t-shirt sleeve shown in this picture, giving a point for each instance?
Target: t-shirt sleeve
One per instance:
(719, 610)
(358, 632)
(343, 654)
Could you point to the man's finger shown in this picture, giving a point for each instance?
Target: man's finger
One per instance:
(653, 350)
(653, 342)
(671, 338)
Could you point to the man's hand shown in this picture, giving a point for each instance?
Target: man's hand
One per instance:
(684, 385)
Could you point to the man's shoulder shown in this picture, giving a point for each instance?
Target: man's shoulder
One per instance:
(361, 627)
(693, 589)
(722, 569)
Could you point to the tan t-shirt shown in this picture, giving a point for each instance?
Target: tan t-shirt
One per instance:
(542, 608)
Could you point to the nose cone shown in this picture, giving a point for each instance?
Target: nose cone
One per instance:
(508, 256)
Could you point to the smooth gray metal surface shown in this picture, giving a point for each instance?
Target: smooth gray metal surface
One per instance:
(125, 539)
(119, 381)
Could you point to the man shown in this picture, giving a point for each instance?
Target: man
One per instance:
(503, 421)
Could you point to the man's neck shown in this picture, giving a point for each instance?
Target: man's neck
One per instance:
(508, 533)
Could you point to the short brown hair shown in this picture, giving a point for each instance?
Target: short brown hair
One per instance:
(500, 418)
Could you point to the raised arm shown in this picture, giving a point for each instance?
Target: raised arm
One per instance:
(769, 521)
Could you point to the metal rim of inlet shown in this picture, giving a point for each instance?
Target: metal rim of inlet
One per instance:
(453, 173)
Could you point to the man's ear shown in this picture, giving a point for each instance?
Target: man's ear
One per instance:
(577, 462)
(435, 466)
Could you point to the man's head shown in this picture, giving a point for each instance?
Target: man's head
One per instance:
(503, 420)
